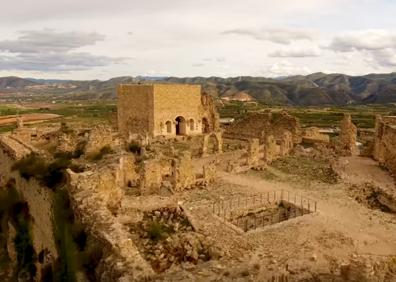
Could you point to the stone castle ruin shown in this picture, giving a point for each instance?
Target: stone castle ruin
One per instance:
(165, 110)
(128, 194)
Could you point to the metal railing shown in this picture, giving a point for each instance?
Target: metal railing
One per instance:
(232, 209)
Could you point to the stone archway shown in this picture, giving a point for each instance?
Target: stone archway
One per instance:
(181, 126)
(212, 143)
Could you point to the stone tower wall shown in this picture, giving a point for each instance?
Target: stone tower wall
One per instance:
(135, 109)
(172, 101)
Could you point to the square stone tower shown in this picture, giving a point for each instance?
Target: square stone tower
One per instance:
(163, 110)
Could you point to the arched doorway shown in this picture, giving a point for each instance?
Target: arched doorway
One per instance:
(180, 126)
(205, 126)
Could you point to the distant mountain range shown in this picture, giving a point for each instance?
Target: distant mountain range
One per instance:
(314, 89)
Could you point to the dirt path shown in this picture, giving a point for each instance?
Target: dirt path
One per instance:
(373, 232)
(359, 170)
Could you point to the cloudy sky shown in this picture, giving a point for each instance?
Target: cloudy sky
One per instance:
(100, 39)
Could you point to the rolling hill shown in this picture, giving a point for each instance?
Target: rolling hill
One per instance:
(313, 89)
(10, 82)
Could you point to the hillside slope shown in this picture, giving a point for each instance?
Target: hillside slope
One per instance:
(313, 89)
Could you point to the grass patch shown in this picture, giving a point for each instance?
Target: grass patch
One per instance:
(157, 231)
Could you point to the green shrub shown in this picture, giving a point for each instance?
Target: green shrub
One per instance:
(31, 166)
(50, 175)
(135, 148)
(157, 231)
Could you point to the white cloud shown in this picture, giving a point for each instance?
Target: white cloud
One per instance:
(49, 50)
(275, 35)
(285, 68)
(229, 37)
(295, 53)
(364, 40)
(376, 47)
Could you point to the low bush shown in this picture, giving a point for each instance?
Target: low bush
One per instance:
(49, 174)
(157, 231)
(31, 166)
(135, 148)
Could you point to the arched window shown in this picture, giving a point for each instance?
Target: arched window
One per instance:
(169, 126)
(181, 126)
(192, 126)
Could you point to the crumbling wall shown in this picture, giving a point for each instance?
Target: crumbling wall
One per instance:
(99, 137)
(210, 172)
(253, 152)
(385, 143)
(91, 201)
(126, 174)
(312, 135)
(209, 112)
(253, 126)
(286, 122)
(271, 149)
(348, 136)
(183, 176)
(67, 143)
(286, 144)
(40, 199)
(261, 125)
(150, 178)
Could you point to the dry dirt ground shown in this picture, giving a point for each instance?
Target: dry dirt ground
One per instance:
(342, 240)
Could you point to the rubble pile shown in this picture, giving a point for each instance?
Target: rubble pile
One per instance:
(167, 238)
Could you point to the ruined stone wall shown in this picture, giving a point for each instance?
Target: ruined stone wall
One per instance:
(286, 122)
(135, 109)
(92, 202)
(385, 143)
(271, 149)
(39, 199)
(176, 100)
(253, 152)
(209, 113)
(312, 135)
(286, 143)
(126, 174)
(150, 178)
(348, 136)
(99, 137)
(183, 176)
(260, 125)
